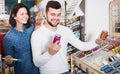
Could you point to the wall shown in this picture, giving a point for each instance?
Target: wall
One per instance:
(96, 18)
(10, 3)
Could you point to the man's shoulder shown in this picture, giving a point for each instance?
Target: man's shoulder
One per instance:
(38, 32)
(63, 27)
(38, 29)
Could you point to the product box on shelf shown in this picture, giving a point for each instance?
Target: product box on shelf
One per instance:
(104, 58)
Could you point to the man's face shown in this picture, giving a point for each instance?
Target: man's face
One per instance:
(53, 16)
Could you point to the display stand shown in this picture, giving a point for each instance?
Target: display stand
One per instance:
(106, 53)
(73, 20)
(115, 18)
(3, 14)
(3, 18)
(72, 7)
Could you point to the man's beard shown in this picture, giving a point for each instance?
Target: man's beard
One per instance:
(52, 24)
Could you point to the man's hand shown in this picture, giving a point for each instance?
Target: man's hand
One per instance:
(53, 48)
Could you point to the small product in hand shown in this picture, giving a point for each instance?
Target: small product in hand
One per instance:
(57, 38)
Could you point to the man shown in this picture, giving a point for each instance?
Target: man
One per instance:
(48, 56)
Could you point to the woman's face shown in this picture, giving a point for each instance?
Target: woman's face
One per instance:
(21, 16)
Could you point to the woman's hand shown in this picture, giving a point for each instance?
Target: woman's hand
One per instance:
(8, 59)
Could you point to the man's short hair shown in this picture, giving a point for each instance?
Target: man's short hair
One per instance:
(53, 4)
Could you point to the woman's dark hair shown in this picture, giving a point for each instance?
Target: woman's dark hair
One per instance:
(53, 4)
(13, 13)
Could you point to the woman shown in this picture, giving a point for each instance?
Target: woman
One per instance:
(17, 41)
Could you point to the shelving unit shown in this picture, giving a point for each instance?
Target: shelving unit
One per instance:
(93, 62)
(115, 18)
(74, 22)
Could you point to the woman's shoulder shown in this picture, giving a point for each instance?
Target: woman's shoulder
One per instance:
(9, 34)
(30, 27)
